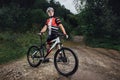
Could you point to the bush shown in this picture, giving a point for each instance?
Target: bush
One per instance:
(15, 45)
(38, 18)
(14, 18)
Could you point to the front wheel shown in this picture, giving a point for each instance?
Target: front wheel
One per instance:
(66, 62)
(34, 56)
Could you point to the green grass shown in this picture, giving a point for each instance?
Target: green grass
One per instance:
(104, 43)
(15, 45)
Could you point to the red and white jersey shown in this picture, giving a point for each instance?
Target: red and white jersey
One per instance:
(53, 25)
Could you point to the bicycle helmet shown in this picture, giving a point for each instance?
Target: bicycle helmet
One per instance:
(49, 8)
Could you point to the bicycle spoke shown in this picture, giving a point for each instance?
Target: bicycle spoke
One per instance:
(33, 60)
(67, 64)
(34, 56)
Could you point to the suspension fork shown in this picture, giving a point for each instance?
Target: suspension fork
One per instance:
(62, 53)
(60, 45)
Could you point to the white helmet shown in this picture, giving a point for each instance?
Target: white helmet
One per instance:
(49, 8)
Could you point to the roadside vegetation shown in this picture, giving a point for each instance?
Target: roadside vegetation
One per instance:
(15, 45)
(20, 20)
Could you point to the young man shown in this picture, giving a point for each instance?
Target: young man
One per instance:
(52, 24)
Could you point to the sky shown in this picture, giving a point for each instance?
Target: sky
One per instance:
(68, 4)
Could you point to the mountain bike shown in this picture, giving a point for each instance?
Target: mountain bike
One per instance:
(65, 60)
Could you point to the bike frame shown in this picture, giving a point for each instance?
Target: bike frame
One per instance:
(55, 42)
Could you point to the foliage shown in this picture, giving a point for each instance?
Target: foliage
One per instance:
(14, 18)
(15, 45)
(21, 19)
(37, 17)
(100, 23)
(26, 15)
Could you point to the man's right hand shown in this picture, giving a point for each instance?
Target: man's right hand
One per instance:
(39, 34)
(66, 36)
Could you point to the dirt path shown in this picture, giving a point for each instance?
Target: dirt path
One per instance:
(94, 64)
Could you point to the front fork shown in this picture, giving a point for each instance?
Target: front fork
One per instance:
(62, 53)
(60, 45)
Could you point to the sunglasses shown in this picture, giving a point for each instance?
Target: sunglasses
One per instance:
(49, 11)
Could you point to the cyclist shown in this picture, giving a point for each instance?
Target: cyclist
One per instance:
(52, 24)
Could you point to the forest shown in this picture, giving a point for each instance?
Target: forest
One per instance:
(97, 20)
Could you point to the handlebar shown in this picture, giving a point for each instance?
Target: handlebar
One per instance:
(57, 35)
(61, 34)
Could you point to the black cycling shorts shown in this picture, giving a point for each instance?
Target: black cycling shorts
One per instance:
(51, 37)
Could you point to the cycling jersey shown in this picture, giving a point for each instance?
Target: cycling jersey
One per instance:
(53, 25)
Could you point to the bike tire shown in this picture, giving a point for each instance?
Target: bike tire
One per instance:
(75, 66)
(29, 55)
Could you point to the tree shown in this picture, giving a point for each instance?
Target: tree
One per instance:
(100, 21)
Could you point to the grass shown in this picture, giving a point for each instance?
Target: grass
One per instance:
(104, 43)
(15, 45)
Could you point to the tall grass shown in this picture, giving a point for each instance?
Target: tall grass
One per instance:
(15, 45)
(104, 43)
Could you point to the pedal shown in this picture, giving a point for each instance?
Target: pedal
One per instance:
(46, 60)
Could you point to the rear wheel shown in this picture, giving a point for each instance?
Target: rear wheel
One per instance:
(66, 62)
(34, 56)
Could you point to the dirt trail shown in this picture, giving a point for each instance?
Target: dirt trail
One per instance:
(94, 64)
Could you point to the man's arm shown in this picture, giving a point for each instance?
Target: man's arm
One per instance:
(62, 28)
(58, 21)
(43, 29)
